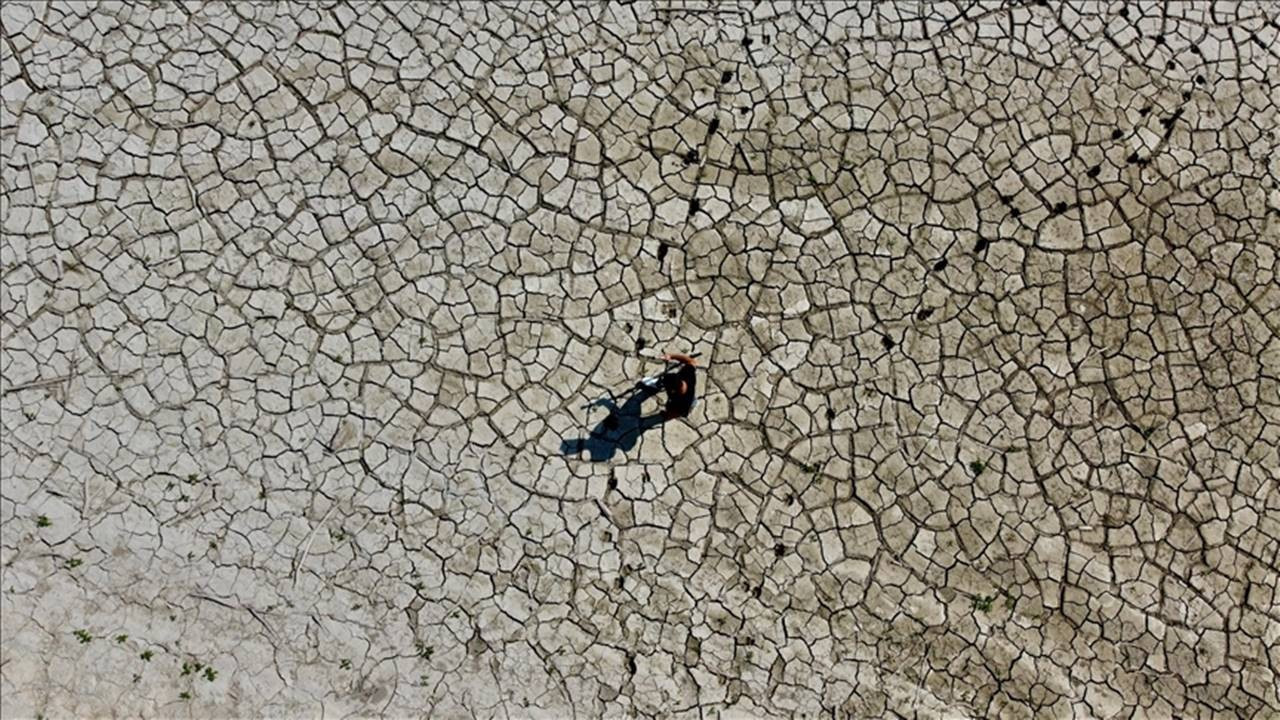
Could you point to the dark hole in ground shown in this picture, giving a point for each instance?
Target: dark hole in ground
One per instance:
(671, 312)
(1059, 208)
(1015, 212)
(662, 252)
(831, 414)
(1170, 65)
(757, 591)
(1124, 12)
(940, 265)
(1134, 157)
(1186, 95)
(628, 327)
(924, 314)
(983, 242)
(726, 76)
(887, 342)
(1117, 134)
(693, 206)
(1094, 171)
(779, 550)
(631, 664)
(714, 126)
(640, 343)
(613, 484)
(1199, 79)
(1145, 111)
(691, 156)
(746, 42)
(744, 110)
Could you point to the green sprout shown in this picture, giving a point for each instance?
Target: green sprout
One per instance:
(147, 655)
(121, 638)
(983, 603)
(977, 466)
(83, 636)
(210, 674)
(184, 695)
(73, 563)
(43, 521)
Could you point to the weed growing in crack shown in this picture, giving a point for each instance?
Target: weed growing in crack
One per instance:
(210, 674)
(184, 695)
(425, 651)
(121, 638)
(83, 636)
(43, 521)
(73, 563)
(344, 664)
(983, 603)
(146, 655)
(976, 467)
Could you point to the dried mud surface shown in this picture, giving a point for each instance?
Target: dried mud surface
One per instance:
(301, 304)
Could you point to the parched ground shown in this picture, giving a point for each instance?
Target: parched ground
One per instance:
(302, 302)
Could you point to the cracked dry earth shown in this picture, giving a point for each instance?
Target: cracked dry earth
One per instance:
(302, 302)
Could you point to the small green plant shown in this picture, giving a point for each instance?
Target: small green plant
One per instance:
(147, 655)
(43, 521)
(83, 636)
(976, 467)
(191, 667)
(184, 695)
(983, 603)
(73, 563)
(425, 651)
(121, 638)
(345, 664)
(210, 674)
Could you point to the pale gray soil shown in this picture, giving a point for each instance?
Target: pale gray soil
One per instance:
(302, 303)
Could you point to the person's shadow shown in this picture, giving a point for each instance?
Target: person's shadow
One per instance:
(620, 430)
